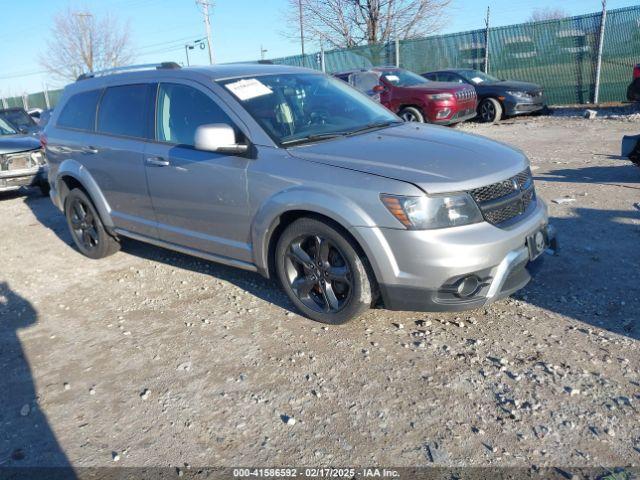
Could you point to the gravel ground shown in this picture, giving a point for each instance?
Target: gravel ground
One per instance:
(152, 358)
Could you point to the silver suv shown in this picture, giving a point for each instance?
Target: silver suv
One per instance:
(295, 175)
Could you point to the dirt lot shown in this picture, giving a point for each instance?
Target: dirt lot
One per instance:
(151, 358)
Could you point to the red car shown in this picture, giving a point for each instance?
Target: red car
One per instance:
(413, 97)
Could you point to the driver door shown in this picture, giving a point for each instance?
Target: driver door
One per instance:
(200, 198)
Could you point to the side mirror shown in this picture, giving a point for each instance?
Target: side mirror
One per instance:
(218, 137)
(378, 88)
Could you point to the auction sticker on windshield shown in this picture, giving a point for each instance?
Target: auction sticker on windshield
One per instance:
(248, 89)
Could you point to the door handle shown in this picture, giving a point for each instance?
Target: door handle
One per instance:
(157, 162)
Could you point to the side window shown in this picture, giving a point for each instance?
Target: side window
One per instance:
(80, 111)
(123, 111)
(453, 78)
(181, 110)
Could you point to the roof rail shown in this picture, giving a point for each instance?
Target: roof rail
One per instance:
(129, 68)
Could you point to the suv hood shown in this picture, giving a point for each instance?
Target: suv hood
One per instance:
(436, 159)
(18, 143)
(437, 87)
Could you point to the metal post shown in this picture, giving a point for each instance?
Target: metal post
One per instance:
(25, 101)
(486, 42)
(322, 64)
(186, 51)
(397, 53)
(47, 102)
(603, 21)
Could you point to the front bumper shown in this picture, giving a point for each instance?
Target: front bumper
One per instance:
(421, 270)
(522, 106)
(27, 177)
(458, 117)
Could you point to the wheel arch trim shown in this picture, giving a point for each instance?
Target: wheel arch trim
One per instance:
(343, 211)
(75, 170)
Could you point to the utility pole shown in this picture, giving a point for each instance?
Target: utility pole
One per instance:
(205, 4)
(262, 52)
(301, 30)
(486, 41)
(603, 22)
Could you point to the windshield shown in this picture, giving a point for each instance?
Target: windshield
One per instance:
(19, 118)
(6, 128)
(293, 108)
(477, 77)
(403, 78)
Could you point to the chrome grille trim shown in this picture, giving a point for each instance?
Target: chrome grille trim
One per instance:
(506, 201)
(466, 94)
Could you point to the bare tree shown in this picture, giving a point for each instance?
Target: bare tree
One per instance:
(348, 23)
(80, 42)
(548, 13)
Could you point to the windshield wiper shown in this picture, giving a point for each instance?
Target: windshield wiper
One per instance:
(313, 138)
(374, 126)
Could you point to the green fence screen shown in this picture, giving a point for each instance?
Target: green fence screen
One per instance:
(559, 54)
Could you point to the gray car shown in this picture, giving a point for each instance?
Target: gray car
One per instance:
(22, 163)
(295, 175)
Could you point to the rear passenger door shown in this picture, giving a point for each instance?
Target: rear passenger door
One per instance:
(115, 157)
(200, 198)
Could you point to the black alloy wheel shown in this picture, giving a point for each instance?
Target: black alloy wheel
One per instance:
(318, 274)
(83, 225)
(86, 227)
(323, 271)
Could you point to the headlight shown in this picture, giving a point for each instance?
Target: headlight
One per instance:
(430, 212)
(37, 157)
(440, 96)
(519, 94)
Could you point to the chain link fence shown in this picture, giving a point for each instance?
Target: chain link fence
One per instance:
(559, 54)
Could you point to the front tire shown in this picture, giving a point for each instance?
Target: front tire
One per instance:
(322, 272)
(411, 114)
(490, 110)
(86, 227)
(44, 187)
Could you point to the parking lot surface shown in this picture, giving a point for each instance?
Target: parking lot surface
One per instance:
(153, 358)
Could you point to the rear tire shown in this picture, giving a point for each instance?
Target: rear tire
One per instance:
(411, 114)
(490, 110)
(86, 227)
(322, 272)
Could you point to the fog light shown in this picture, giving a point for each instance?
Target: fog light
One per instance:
(468, 286)
(443, 113)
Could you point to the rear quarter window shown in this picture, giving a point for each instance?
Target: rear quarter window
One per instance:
(80, 111)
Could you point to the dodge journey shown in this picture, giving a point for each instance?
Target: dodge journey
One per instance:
(298, 176)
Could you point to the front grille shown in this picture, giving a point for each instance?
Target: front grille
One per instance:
(465, 95)
(507, 200)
